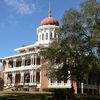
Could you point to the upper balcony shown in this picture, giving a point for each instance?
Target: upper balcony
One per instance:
(28, 48)
(22, 63)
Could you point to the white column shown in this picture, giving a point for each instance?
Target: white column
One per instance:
(31, 76)
(35, 60)
(39, 37)
(23, 61)
(7, 61)
(22, 77)
(31, 60)
(14, 62)
(5, 79)
(82, 91)
(56, 83)
(35, 76)
(13, 79)
(53, 35)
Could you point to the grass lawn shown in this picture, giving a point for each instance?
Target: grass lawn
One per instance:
(22, 95)
(25, 95)
(87, 97)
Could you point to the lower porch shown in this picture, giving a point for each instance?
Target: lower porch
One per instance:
(24, 78)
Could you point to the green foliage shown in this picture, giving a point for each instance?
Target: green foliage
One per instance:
(73, 51)
(87, 97)
(1, 84)
(58, 93)
(24, 95)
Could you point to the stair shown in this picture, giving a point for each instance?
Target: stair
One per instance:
(9, 87)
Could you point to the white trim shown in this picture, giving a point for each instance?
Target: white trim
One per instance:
(46, 26)
(17, 55)
(28, 46)
(59, 86)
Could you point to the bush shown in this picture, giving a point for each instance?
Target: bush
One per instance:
(60, 93)
(87, 97)
(1, 84)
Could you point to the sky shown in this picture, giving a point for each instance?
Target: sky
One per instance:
(20, 18)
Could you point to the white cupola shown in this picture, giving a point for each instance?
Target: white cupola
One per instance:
(46, 31)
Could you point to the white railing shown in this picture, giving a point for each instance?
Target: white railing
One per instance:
(30, 84)
(60, 85)
(88, 86)
(22, 68)
(26, 84)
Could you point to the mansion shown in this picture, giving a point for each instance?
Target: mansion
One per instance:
(25, 68)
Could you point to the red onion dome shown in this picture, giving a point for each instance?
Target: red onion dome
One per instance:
(49, 21)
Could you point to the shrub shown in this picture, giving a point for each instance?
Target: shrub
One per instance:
(59, 93)
(87, 97)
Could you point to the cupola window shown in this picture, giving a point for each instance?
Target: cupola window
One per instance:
(42, 36)
(55, 35)
(46, 36)
(51, 34)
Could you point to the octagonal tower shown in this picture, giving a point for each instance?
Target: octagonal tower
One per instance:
(47, 30)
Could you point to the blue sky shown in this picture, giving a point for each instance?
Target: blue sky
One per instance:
(20, 18)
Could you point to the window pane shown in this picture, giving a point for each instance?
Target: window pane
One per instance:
(51, 35)
(42, 36)
(54, 35)
(46, 36)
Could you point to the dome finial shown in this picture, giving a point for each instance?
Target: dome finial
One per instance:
(49, 11)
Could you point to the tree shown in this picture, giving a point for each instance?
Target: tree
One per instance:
(73, 51)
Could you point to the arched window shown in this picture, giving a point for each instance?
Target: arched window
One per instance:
(42, 36)
(46, 36)
(55, 35)
(51, 34)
